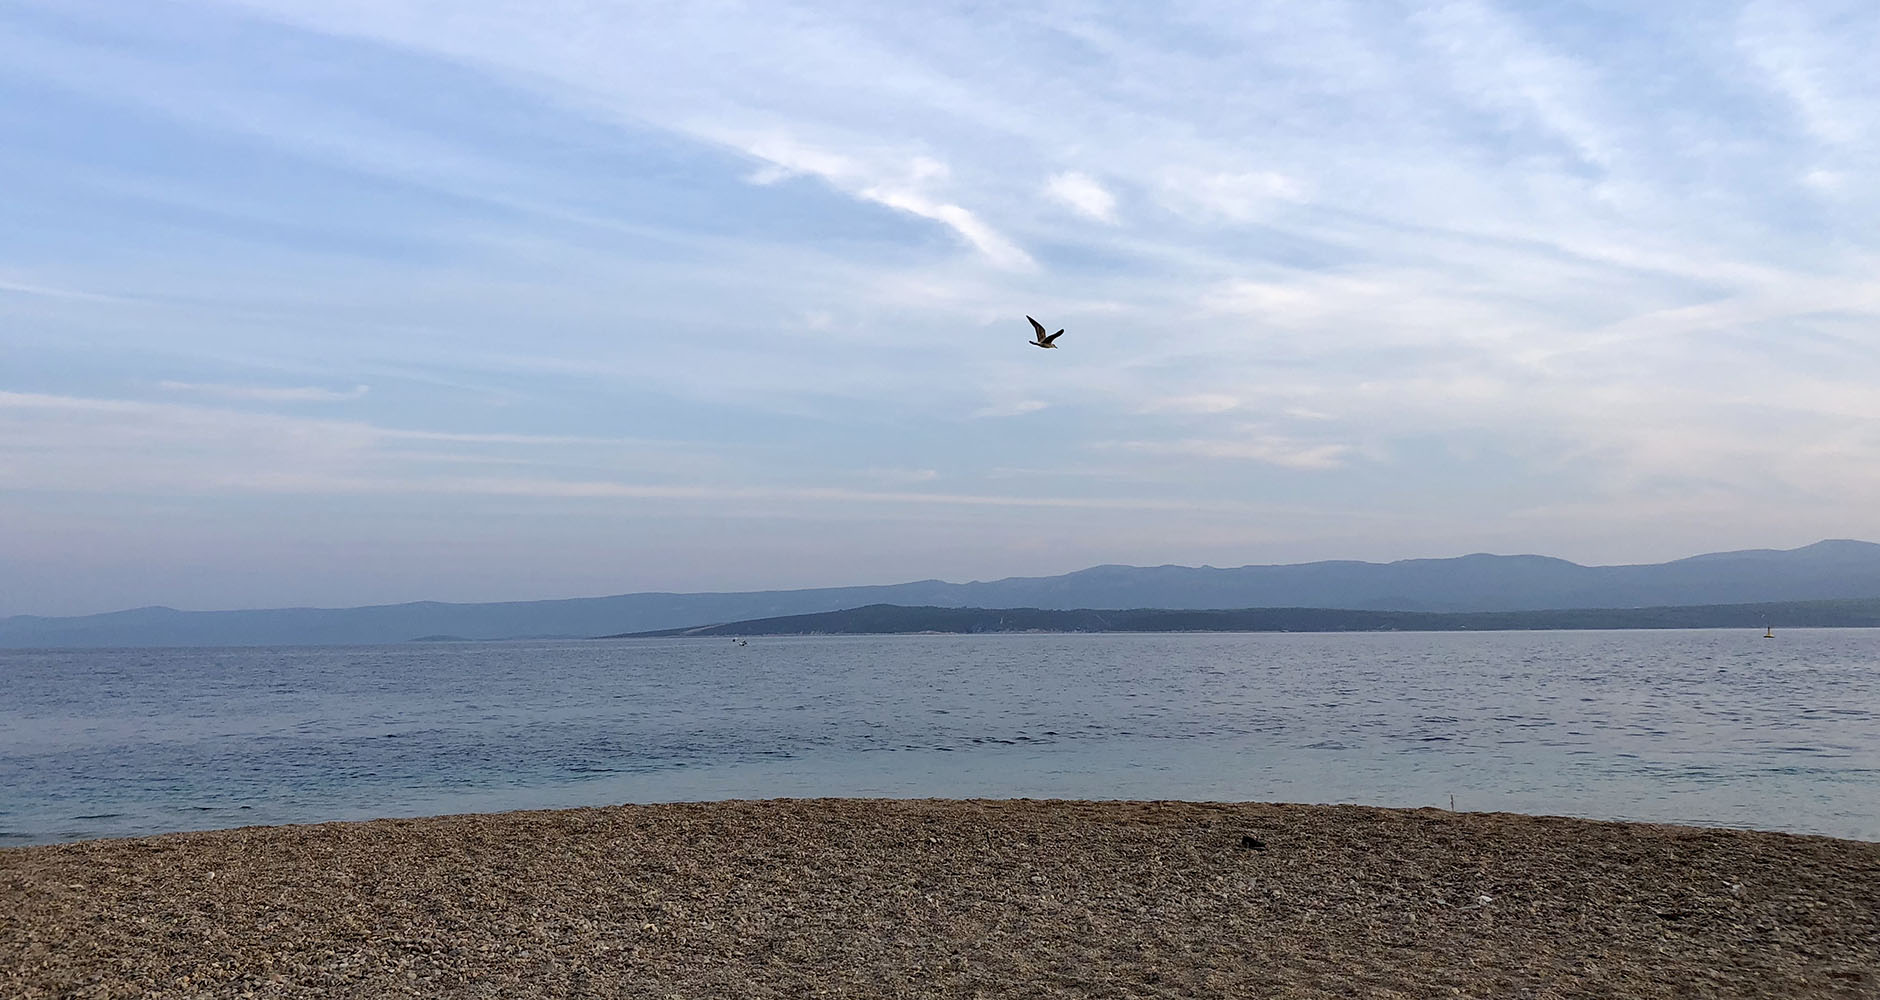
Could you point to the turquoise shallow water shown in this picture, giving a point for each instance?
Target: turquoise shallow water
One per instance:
(1714, 727)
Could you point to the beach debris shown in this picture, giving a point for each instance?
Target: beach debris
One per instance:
(1484, 900)
(1248, 843)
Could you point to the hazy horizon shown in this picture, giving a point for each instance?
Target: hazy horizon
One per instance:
(372, 301)
(874, 583)
(495, 586)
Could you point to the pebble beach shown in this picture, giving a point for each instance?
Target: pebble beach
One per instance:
(957, 898)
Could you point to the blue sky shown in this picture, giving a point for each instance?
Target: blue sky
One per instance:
(361, 301)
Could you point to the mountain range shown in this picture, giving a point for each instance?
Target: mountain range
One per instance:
(894, 619)
(1827, 570)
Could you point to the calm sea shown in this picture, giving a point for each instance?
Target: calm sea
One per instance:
(1713, 727)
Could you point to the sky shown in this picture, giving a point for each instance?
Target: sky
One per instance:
(338, 302)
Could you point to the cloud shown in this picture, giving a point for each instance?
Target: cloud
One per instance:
(9, 286)
(1253, 446)
(65, 443)
(1813, 66)
(904, 475)
(984, 238)
(118, 446)
(901, 186)
(1195, 402)
(269, 394)
(1475, 242)
(1083, 195)
(1015, 408)
(1233, 197)
(1498, 66)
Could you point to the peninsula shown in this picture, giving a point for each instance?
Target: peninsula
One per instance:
(892, 619)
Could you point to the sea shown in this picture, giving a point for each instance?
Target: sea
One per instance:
(1709, 727)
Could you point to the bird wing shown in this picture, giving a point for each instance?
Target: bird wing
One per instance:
(1038, 327)
(1051, 338)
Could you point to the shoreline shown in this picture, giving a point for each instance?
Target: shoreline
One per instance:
(917, 897)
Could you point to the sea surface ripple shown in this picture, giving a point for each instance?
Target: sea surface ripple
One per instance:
(1701, 726)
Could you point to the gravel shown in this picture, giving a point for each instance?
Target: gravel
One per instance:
(917, 898)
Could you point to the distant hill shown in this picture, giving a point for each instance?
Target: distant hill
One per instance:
(1476, 583)
(890, 619)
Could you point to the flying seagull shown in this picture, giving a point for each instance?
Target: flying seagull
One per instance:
(1041, 340)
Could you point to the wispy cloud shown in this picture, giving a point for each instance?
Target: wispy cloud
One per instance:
(1252, 445)
(1083, 195)
(902, 186)
(1015, 408)
(1431, 267)
(268, 393)
(8, 286)
(616, 490)
(1196, 402)
(77, 443)
(1821, 68)
(1499, 67)
(904, 475)
(1230, 197)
